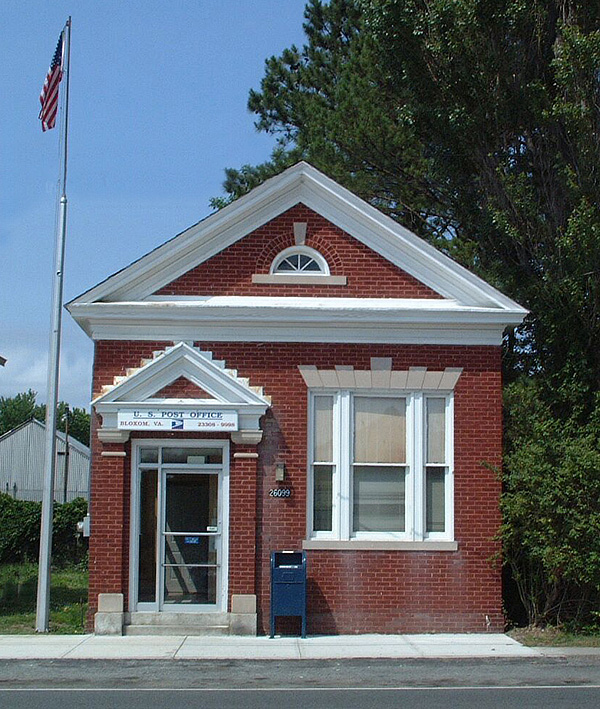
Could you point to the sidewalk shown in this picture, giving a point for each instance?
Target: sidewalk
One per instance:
(88, 647)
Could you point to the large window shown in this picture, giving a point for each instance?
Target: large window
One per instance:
(381, 466)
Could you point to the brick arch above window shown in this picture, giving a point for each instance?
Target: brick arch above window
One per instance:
(285, 241)
(299, 264)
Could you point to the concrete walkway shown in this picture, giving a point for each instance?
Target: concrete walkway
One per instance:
(91, 647)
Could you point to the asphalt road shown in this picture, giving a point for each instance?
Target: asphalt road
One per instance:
(547, 683)
(368, 698)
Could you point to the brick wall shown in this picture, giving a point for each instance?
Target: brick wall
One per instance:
(109, 513)
(349, 591)
(182, 388)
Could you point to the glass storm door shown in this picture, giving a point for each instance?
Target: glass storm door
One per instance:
(190, 539)
(179, 506)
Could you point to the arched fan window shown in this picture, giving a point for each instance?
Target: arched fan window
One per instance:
(300, 260)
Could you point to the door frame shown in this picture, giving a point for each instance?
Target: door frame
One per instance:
(222, 582)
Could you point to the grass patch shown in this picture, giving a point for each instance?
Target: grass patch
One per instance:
(18, 593)
(554, 637)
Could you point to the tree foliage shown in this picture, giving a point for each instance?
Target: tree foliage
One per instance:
(551, 506)
(507, 102)
(476, 123)
(20, 530)
(16, 410)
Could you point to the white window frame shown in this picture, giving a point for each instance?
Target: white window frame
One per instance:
(301, 251)
(415, 489)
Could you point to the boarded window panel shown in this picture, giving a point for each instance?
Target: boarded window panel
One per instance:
(436, 430)
(323, 498)
(379, 499)
(323, 430)
(435, 496)
(379, 430)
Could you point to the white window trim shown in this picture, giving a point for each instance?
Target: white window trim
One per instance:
(303, 251)
(415, 536)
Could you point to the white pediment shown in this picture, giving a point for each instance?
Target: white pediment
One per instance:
(301, 183)
(140, 386)
(124, 306)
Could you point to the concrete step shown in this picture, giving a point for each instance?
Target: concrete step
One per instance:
(181, 630)
(146, 623)
(184, 620)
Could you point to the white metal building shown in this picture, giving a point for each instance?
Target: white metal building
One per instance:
(22, 464)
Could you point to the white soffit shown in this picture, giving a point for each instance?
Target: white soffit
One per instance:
(300, 183)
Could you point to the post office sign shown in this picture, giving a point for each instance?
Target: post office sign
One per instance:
(164, 419)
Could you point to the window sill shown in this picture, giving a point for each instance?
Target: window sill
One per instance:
(366, 545)
(299, 280)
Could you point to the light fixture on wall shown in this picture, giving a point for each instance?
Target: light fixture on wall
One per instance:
(279, 472)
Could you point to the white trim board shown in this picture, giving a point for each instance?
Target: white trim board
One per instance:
(255, 319)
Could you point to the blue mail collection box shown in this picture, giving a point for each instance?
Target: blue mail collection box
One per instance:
(288, 586)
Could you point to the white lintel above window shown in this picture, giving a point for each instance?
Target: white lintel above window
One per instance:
(380, 376)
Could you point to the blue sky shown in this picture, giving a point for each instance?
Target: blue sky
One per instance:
(158, 110)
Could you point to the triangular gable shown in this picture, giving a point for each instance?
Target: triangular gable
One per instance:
(141, 388)
(349, 268)
(209, 376)
(182, 388)
(300, 183)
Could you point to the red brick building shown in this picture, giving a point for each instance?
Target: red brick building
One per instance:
(296, 371)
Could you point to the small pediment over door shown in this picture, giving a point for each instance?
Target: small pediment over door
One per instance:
(181, 389)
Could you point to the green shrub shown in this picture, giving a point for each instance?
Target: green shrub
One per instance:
(551, 508)
(20, 530)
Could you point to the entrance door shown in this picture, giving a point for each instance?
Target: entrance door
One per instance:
(181, 536)
(191, 538)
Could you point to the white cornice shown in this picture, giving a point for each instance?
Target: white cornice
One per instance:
(300, 183)
(296, 320)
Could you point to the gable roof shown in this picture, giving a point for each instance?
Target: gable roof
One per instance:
(123, 306)
(300, 183)
(60, 436)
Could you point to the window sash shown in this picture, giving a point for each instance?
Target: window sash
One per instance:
(379, 430)
(378, 498)
(445, 464)
(435, 429)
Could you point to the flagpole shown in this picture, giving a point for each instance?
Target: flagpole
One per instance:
(43, 594)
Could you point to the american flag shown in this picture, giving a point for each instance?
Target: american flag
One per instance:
(49, 95)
